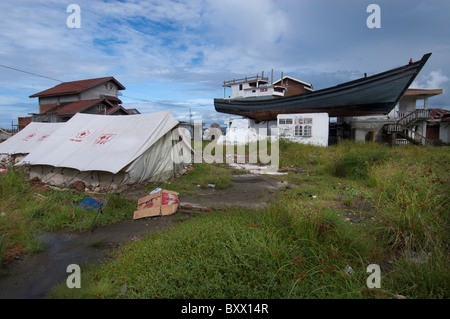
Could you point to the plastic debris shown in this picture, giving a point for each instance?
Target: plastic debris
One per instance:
(90, 203)
(155, 190)
(349, 270)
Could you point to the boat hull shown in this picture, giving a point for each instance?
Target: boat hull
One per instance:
(372, 95)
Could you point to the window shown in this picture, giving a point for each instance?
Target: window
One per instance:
(240, 87)
(285, 121)
(303, 127)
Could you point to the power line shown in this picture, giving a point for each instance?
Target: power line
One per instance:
(49, 78)
(35, 74)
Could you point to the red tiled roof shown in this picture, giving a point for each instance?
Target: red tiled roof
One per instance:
(115, 109)
(77, 106)
(76, 87)
(133, 111)
(438, 113)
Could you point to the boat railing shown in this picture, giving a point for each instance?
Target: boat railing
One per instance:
(246, 79)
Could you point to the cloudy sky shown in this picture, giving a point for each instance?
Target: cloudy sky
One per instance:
(176, 54)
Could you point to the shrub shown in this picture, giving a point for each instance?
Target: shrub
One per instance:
(355, 164)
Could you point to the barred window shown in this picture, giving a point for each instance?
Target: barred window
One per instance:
(303, 127)
(307, 130)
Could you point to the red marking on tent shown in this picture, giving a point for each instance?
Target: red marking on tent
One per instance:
(83, 134)
(26, 139)
(104, 138)
(43, 137)
(80, 136)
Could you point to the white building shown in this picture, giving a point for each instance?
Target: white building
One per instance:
(306, 128)
(406, 123)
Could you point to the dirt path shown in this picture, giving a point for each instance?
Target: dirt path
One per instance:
(247, 190)
(33, 276)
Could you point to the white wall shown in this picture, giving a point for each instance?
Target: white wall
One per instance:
(444, 132)
(319, 128)
(250, 91)
(239, 132)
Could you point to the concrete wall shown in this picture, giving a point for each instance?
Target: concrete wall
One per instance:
(319, 128)
(96, 92)
(444, 132)
(369, 130)
(59, 99)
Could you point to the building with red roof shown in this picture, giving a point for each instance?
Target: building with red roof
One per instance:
(93, 96)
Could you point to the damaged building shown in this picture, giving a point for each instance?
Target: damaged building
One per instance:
(91, 96)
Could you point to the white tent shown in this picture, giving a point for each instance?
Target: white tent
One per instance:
(110, 151)
(22, 143)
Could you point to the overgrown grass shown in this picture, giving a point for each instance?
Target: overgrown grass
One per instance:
(301, 246)
(16, 231)
(239, 254)
(25, 211)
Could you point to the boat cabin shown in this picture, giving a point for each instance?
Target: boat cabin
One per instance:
(253, 87)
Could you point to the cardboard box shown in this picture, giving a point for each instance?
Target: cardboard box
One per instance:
(160, 203)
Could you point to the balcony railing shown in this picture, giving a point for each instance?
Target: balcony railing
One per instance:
(414, 116)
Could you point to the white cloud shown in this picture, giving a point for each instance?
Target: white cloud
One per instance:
(188, 47)
(433, 80)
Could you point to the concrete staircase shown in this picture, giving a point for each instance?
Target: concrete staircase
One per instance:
(404, 128)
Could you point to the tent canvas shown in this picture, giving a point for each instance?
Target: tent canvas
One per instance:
(33, 135)
(103, 150)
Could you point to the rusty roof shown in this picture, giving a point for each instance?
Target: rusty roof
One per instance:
(76, 107)
(75, 87)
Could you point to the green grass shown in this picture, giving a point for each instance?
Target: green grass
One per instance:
(200, 177)
(300, 245)
(239, 254)
(26, 211)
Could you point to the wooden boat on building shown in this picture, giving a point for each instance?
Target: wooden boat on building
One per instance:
(255, 98)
